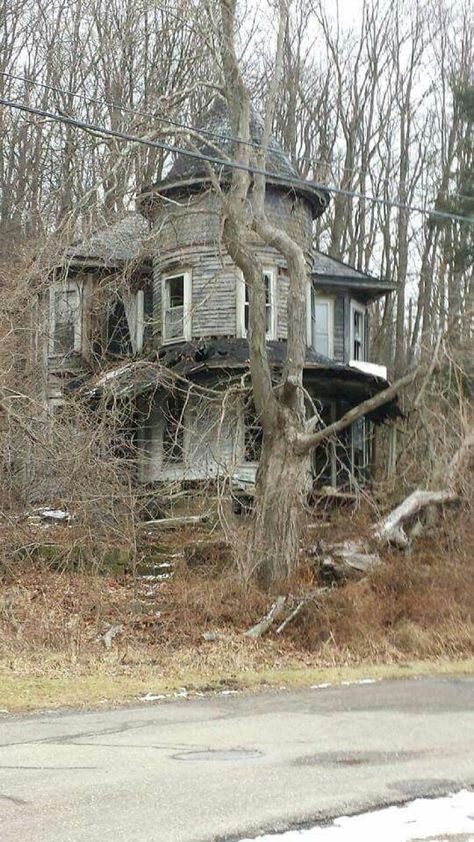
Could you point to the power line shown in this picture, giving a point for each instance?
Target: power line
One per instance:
(210, 159)
(177, 124)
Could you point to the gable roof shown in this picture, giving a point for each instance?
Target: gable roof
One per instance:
(217, 126)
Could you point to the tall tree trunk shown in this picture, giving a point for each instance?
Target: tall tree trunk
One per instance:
(273, 545)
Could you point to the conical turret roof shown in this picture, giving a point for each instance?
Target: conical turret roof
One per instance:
(217, 127)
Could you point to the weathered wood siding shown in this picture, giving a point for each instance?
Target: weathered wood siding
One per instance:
(188, 239)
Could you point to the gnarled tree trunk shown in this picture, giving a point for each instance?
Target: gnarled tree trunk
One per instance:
(274, 536)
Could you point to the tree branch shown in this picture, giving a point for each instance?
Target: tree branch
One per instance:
(307, 441)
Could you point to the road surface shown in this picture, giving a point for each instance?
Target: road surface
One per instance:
(230, 766)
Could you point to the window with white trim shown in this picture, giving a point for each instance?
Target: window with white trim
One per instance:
(65, 319)
(176, 306)
(321, 323)
(243, 305)
(357, 331)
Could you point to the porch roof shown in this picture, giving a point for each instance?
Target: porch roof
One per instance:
(324, 378)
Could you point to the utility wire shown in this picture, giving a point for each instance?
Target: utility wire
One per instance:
(210, 159)
(177, 124)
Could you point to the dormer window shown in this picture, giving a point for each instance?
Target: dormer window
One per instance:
(321, 323)
(176, 299)
(357, 331)
(65, 319)
(243, 306)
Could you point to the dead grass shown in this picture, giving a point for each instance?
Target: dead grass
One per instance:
(104, 683)
(412, 609)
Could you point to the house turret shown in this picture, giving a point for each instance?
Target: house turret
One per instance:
(198, 291)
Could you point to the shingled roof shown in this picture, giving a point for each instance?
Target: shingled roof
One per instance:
(329, 270)
(120, 242)
(217, 127)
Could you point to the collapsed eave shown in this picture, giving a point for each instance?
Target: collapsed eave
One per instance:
(230, 357)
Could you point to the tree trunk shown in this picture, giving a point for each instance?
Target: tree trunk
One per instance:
(273, 546)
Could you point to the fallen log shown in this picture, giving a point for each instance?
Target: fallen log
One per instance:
(391, 528)
(275, 611)
(310, 597)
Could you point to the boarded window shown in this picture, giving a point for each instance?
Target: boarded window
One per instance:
(173, 430)
(66, 321)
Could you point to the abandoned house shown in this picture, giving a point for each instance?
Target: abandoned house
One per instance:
(150, 312)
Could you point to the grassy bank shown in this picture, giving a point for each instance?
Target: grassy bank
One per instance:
(34, 691)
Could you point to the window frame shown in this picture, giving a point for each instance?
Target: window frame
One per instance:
(174, 449)
(64, 286)
(362, 310)
(312, 296)
(187, 296)
(272, 333)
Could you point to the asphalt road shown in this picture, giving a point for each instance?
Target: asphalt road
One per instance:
(229, 766)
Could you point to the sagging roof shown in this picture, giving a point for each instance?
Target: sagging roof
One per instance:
(329, 270)
(124, 241)
(190, 360)
(217, 126)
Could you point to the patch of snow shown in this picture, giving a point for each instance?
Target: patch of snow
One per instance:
(424, 818)
(320, 686)
(181, 694)
(54, 514)
(370, 368)
(361, 681)
(152, 697)
(228, 692)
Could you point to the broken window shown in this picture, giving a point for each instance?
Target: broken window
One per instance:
(118, 333)
(176, 292)
(322, 324)
(65, 317)
(173, 430)
(357, 332)
(253, 435)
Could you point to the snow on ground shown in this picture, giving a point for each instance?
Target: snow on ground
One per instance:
(450, 817)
